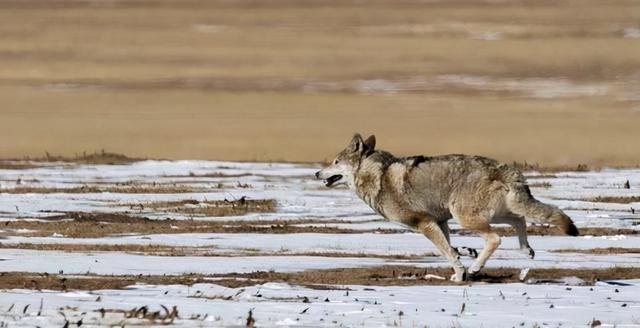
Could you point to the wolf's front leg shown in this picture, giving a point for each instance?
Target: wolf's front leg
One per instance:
(432, 230)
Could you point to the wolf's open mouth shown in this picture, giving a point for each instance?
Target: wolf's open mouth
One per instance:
(332, 179)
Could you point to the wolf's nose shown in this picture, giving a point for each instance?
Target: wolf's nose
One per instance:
(318, 175)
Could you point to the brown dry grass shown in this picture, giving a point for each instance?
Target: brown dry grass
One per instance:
(226, 80)
(614, 199)
(326, 279)
(101, 157)
(125, 189)
(13, 165)
(524, 166)
(92, 225)
(399, 275)
(157, 250)
(600, 251)
(97, 157)
(224, 207)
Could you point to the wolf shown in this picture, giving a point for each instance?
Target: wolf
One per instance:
(426, 192)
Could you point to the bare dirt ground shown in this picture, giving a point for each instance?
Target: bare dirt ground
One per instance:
(97, 225)
(92, 225)
(320, 279)
(552, 82)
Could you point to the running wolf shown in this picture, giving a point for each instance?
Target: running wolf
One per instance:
(425, 192)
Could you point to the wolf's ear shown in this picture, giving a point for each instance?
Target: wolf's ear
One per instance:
(356, 143)
(370, 143)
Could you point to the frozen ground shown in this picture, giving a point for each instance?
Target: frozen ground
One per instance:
(301, 199)
(279, 304)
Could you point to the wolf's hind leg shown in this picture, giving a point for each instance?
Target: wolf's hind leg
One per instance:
(520, 226)
(464, 251)
(434, 232)
(480, 223)
(492, 241)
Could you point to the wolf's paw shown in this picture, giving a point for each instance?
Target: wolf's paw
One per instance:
(529, 252)
(473, 271)
(473, 275)
(459, 276)
(467, 251)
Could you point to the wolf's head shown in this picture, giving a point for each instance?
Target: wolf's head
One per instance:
(344, 167)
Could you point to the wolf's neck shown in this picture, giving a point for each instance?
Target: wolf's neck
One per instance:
(368, 182)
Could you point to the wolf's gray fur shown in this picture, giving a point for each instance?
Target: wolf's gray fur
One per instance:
(425, 192)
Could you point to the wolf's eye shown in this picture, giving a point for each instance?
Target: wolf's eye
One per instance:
(335, 162)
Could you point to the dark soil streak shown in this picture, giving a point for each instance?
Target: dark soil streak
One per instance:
(321, 279)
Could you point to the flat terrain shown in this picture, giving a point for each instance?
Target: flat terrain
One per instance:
(554, 82)
(206, 243)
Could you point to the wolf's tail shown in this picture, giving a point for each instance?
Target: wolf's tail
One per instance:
(521, 202)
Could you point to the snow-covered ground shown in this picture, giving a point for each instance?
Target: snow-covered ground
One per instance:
(279, 304)
(299, 197)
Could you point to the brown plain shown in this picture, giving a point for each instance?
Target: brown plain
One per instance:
(234, 80)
